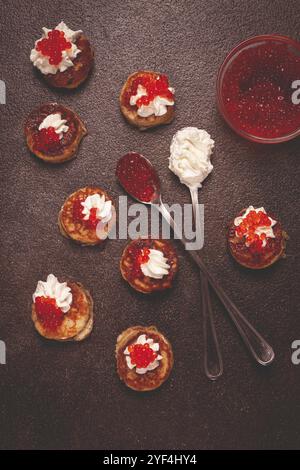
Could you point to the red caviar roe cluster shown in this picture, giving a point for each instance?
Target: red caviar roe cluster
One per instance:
(53, 45)
(93, 220)
(141, 355)
(247, 229)
(78, 216)
(257, 90)
(154, 86)
(139, 257)
(46, 140)
(48, 313)
(143, 256)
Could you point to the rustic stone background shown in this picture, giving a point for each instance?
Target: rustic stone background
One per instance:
(69, 396)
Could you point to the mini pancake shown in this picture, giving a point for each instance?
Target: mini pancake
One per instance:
(78, 321)
(151, 379)
(142, 283)
(77, 229)
(74, 76)
(130, 112)
(70, 141)
(274, 250)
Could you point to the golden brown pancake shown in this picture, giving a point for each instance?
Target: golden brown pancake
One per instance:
(74, 76)
(78, 321)
(130, 112)
(151, 379)
(146, 284)
(77, 230)
(70, 141)
(274, 250)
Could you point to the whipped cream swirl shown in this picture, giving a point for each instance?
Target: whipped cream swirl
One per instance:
(266, 229)
(190, 153)
(154, 346)
(104, 208)
(55, 120)
(52, 288)
(42, 62)
(158, 106)
(156, 266)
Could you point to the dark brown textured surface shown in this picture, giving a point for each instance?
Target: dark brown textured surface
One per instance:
(69, 396)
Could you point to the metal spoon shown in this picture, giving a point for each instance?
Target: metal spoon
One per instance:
(255, 343)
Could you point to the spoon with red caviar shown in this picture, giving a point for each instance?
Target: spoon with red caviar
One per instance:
(139, 179)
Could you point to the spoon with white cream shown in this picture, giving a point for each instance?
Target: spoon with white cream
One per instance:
(190, 153)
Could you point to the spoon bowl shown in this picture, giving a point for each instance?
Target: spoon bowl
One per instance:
(139, 178)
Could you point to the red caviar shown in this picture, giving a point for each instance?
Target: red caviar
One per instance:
(93, 220)
(138, 177)
(46, 140)
(143, 256)
(247, 228)
(53, 45)
(141, 355)
(78, 216)
(48, 313)
(154, 86)
(139, 257)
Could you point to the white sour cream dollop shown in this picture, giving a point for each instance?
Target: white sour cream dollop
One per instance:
(266, 229)
(154, 346)
(42, 62)
(55, 120)
(60, 291)
(158, 106)
(190, 153)
(156, 266)
(104, 208)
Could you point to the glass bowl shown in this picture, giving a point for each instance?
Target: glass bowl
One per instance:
(258, 89)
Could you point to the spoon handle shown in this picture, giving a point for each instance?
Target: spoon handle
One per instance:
(256, 344)
(213, 363)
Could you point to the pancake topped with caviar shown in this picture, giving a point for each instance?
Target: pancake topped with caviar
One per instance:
(144, 358)
(256, 238)
(149, 265)
(87, 216)
(62, 311)
(147, 100)
(63, 57)
(54, 132)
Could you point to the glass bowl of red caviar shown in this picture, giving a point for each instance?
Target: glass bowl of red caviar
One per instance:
(258, 89)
